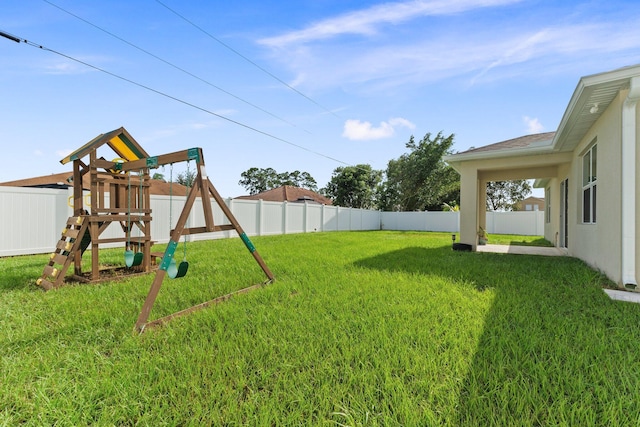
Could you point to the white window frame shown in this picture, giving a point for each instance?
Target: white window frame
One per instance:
(547, 205)
(589, 184)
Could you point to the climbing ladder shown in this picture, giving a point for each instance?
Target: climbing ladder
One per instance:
(74, 238)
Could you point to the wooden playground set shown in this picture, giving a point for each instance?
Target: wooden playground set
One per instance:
(119, 193)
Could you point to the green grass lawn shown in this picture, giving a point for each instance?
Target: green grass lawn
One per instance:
(360, 328)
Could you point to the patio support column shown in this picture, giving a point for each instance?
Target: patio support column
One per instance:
(628, 162)
(469, 187)
(482, 204)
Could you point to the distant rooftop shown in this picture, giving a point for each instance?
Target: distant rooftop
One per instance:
(289, 193)
(63, 180)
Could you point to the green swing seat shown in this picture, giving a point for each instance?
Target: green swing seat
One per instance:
(175, 271)
(132, 259)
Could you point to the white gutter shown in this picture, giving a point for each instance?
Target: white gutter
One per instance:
(628, 220)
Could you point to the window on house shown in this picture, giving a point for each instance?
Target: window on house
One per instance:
(547, 205)
(589, 187)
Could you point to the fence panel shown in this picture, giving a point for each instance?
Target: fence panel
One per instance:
(31, 219)
(314, 217)
(371, 220)
(295, 217)
(530, 223)
(404, 221)
(443, 221)
(343, 219)
(272, 218)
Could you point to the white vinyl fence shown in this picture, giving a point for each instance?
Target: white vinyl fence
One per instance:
(31, 219)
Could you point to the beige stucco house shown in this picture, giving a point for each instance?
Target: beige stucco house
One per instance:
(589, 169)
(531, 203)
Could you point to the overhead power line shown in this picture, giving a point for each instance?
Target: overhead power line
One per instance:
(170, 64)
(166, 95)
(247, 59)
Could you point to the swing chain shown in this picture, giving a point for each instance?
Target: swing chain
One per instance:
(128, 211)
(188, 182)
(170, 199)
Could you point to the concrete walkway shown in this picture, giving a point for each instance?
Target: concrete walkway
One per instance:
(522, 250)
(623, 295)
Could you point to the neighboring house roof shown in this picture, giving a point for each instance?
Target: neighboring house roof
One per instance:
(532, 199)
(590, 99)
(63, 180)
(289, 193)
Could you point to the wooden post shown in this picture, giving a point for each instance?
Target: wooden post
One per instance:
(168, 254)
(146, 262)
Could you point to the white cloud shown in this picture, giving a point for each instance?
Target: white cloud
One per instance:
(366, 21)
(533, 124)
(357, 130)
(425, 51)
(399, 121)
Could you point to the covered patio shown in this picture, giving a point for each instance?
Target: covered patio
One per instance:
(527, 157)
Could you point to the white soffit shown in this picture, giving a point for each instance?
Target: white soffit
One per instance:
(580, 115)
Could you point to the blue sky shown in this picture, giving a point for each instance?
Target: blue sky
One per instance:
(372, 74)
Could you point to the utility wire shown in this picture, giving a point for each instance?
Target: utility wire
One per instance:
(170, 64)
(166, 95)
(247, 59)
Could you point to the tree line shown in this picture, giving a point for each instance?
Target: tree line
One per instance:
(418, 180)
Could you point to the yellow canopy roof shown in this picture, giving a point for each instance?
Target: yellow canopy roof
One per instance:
(119, 140)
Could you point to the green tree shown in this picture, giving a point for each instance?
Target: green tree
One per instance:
(503, 195)
(298, 179)
(158, 176)
(186, 178)
(258, 180)
(354, 186)
(420, 179)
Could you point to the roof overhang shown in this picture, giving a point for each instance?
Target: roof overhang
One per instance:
(455, 159)
(590, 99)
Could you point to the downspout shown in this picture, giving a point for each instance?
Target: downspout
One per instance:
(628, 218)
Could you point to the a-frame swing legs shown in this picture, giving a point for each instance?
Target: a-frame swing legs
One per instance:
(238, 228)
(206, 188)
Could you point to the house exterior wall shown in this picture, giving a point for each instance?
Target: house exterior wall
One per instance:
(599, 244)
(552, 224)
(604, 110)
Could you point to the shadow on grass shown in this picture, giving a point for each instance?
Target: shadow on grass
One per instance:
(20, 277)
(537, 242)
(554, 349)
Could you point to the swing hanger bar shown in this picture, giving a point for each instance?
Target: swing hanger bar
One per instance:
(155, 161)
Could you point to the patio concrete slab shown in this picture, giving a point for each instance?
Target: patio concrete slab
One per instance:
(522, 250)
(623, 295)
